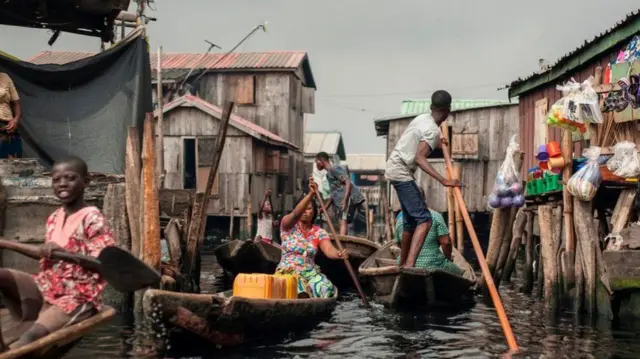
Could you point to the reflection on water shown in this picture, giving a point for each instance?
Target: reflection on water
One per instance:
(356, 332)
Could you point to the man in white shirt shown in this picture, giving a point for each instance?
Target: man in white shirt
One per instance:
(414, 146)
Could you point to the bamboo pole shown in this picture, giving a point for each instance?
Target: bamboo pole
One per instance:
(151, 214)
(198, 221)
(339, 243)
(159, 99)
(457, 174)
(502, 316)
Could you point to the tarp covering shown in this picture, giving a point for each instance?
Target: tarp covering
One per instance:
(84, 108)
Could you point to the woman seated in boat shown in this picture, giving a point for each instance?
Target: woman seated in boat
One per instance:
(61, 293)
(301, 239)
(436, 252)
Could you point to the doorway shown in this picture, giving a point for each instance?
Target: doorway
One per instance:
(189, 159)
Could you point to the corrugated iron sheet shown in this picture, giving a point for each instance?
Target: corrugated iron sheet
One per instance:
(247, 60)
(366, 162)
(329, 142)
(423, 106)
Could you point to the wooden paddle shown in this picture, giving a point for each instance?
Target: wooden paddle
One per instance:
(346, 261)
(495, 297)
(121, 269)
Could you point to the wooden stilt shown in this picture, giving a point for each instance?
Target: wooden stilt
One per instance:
(151, 214)
(529, 254)
(132, 191)
(516, 239)
(585, 235)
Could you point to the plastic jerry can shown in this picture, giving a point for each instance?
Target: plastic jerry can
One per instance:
(291, 285)
(257, 286)
(279, 290)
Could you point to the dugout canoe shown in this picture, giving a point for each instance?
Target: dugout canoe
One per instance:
(407, 288)
(54, 345)
(225, 320)
(260, 257)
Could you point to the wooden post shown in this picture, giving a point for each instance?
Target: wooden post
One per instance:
(372, 233)
(387, 222)
(622, 210)
(529, 254)
(567, 205)
(451, 202)
(160, 142)
(197, 226)
(151, 214)
(250, 213)
(585, 234)
(231, 220)
(132, 191)
(457, 174)
(173, 234)
(505, 246)
(549, 243)
(516, 240)
(578, 296)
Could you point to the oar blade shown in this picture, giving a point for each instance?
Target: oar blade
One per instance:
(126, 273)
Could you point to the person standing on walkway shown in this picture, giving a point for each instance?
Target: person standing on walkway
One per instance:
(346, 198)
(419, 139)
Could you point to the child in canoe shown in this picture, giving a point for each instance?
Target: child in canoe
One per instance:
(61, 293)
(265, 220)
(301, 240)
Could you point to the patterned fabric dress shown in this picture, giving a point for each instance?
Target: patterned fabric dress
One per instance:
(430, 256)
(299, 248)
(66, 285)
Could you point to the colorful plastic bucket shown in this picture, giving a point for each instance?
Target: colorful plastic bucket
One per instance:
(556, 162)
(544, 165)
(553, 149)
(542, 155)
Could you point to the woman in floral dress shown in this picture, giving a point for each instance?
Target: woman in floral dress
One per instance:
(61, 293)
(301, 240)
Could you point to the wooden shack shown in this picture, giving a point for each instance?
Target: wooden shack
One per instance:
(367, 172)
(253, 159)
(478, 138)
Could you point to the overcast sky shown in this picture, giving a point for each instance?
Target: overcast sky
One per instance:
(366, 55)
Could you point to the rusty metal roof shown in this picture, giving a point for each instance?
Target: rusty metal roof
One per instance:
(366, 162)
(236, 121)
(583, 54)
(250, 61)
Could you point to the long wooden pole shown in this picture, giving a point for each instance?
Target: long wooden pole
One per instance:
(151, 227)
(502, 316)
(159, 98)
(346, 261)
(451, 202)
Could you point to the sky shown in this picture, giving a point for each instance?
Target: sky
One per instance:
(368, 56)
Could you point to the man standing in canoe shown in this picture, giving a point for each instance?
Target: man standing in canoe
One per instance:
(421, 137)
(346, 198)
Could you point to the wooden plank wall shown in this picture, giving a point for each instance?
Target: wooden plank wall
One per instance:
(494, 127)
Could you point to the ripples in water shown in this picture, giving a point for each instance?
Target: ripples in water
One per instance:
(356, 332)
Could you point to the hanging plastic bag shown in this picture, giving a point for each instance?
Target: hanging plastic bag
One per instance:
(584, 183)
(588, 103)
(507, 188)
(564, 113)
(625, 162)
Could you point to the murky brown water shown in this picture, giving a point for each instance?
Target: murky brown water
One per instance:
(356, 332)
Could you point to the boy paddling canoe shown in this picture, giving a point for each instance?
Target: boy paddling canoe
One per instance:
(420, 138)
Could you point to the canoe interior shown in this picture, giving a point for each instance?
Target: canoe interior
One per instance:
(229, 318)
(53, 346)
(415, 287)
(259, 257)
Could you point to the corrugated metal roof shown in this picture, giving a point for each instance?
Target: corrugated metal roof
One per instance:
(236, 121)
(329, 142)
(424, 106)
(599, 45)
(366, 162)
(272, 60)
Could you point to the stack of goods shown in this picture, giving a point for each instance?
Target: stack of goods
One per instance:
(584, 183)
(507, 188)
(265, 286)
(580, 105)
(546, 177)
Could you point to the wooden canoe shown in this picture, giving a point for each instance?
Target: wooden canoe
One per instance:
(54, 345)
(260, 257)
(415, 287)
(225, 320)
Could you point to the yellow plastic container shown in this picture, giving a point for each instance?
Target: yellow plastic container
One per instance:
(279, 289)
(258, 286)
(291, 285)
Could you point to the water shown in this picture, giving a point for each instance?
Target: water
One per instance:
(356, 332)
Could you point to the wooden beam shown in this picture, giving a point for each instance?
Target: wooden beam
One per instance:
(622, 210)
(132, 191)
(199, 217)
(151, 214)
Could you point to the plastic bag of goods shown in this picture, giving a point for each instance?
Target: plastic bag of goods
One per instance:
(564, 113)
(589, 104)
(584, 183)
(625, 162)
(507, 188)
